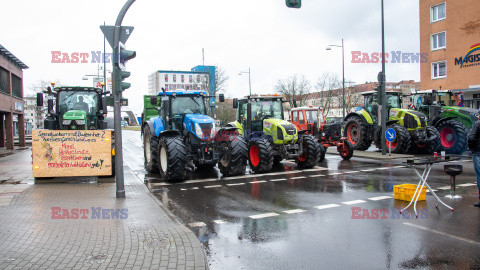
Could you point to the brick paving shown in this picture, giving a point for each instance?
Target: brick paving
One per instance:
(149, 237)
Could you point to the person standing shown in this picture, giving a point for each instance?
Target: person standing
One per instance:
(474, 146)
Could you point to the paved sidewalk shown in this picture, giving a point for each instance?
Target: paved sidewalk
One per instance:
(138, 233)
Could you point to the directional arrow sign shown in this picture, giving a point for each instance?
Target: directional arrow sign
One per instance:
(108, 31)
(390, 134)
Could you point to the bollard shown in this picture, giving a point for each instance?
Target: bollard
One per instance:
(453, 170)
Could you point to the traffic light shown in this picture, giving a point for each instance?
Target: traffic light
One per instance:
(293, 3)
(122, 56)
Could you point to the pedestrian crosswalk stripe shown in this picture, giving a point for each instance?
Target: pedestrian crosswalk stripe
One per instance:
(197, 224)
(218, 221)
(264, 215)
(214, 186)
(327, 206)
(294, 211)
(380, 198)
(354, 202)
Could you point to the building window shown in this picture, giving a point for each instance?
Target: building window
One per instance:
(4, 82)
(16, 86)
(438, 12)
(439, 70)
(439, 41)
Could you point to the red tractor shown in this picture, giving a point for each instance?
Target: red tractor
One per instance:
(312, 120)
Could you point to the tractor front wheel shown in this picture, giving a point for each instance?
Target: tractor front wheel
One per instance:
(172, 158)
(323, 151)
(150, 152)
(345, 150)
(402, 141)
(234, 156)
(453, 136)
(261, 156)
(311, 152)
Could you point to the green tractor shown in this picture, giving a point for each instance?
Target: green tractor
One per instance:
(413, 135)
(270, 138)
(452, 122)
(74, 108)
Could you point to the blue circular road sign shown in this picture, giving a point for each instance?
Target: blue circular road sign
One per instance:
(390, 134)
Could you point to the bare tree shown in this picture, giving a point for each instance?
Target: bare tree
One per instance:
(296, 87)
(225, 112)
(327, 85)
(221, 80)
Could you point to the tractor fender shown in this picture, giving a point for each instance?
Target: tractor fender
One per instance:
(169, 133)
(437, 122)
(350, 115)
(149, 123)
(391, 122)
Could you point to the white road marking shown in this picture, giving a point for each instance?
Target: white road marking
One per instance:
(401, 166)
(385, 168)
(442, 233)
(298, 177)
(380, 198)
(317, 175)
(444, 187)
(218, 221)
(351, 172)
(161, 184)
(236, 184)
(315, 169)
(200, 181)
(280, 173)
(264, 215)
(197, 224)
(294, 211)
(183, 189)
(325, 206)
(354, 202)
(214, 186)
(194, 187)
(276, 180)
(466, 185)
(254, 182)
(369, 170)
(434, 190)
(337, 173)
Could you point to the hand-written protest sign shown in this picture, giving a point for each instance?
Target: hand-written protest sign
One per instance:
(58, 153)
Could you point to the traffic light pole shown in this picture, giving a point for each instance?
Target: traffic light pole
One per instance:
(117, 97)
(382, 90)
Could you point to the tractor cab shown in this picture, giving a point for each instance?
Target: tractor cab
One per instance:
(75, 108)
(262, 108)
(308, 118)
(392, 100)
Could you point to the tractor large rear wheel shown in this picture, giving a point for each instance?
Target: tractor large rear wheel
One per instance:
(234, 156)
(453, 136)
(323, 151)
(311, 152)
(150, 150)
(261, 156)
(172, 158)
(356, 131)
(402, 141)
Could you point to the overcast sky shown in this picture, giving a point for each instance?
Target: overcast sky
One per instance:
(265, 35)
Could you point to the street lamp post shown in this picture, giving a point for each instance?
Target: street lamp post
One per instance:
(249, 80)
(343, 72)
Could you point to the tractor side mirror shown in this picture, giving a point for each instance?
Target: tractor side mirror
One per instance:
(104, 105)
(221, 98)
(235, 103)
(50, 106)
(39, 99)
(294, 103)
(153, 100)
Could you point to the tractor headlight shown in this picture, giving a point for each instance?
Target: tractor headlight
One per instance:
(198, 130)
(66, 122)
(213, 132)
(80, 122)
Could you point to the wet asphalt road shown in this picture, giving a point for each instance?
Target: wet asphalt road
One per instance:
(292, 219)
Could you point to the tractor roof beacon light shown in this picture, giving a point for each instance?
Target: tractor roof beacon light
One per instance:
(293, 3)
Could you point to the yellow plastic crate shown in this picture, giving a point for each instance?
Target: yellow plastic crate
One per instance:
(405, 192)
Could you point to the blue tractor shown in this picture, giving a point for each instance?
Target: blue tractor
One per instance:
(182, 132)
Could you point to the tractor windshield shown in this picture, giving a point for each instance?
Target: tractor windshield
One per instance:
(188, 104)
(262, 109)
(393, 101)
(312, 116)
(86, 101)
